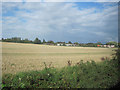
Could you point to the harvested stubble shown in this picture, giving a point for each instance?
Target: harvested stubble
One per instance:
(17, 57)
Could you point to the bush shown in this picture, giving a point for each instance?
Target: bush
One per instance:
(82, 75)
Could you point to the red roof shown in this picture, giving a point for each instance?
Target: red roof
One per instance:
(98, 45)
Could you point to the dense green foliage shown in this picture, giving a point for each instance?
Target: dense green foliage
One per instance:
(37, 41)
(17, 40)
(81, 75)
(44, 41)
(70, 42)
(50, 42)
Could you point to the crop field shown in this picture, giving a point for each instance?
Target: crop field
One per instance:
(17, 57)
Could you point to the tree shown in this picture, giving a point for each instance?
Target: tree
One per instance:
(90, 44)
(2, 39)
(119, 45)
(26, 40)
(112, 43)
(64, 44)
(44, 41)
(15, 39)
(99, 43)
(37, 41)
(70, 42)
(51, 42)
(76, 43)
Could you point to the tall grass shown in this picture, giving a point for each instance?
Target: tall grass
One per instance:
(81, 75)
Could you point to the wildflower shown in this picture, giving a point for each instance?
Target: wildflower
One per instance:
(20, 79)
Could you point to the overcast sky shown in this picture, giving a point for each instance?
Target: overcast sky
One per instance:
(61, 21)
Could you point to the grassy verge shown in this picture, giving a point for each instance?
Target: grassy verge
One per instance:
(82, 75)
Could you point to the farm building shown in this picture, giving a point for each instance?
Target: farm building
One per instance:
(60, 43)
(65, 44)
(70, 44)
(109, 46)
(98, 45)
(112, 46)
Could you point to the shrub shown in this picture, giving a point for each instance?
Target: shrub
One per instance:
(81, 75)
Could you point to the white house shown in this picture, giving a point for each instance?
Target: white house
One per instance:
(70, 44)
(105, 45)
(112, 46)
(59, 44)
(109, 46)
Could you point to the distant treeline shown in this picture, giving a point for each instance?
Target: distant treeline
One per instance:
(19, 40)
(38, 41)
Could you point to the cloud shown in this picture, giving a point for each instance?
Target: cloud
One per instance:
(81, 0)
(11, 0)
(60, 0)
(51, 20)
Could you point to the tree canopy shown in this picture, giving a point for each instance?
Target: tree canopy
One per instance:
(37, 41)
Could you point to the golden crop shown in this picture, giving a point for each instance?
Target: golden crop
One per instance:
(17, 57)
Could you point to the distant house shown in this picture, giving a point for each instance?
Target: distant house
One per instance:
(98, 45)
(60, 43)
(109, 46)
(70, 44)
(112, 46)
(101, 45)
(65, 44)
(105, 45)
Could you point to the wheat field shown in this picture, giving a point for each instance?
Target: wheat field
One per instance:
(18, 57)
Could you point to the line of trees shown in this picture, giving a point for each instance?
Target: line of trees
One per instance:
(19, 40)
(38, 41)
